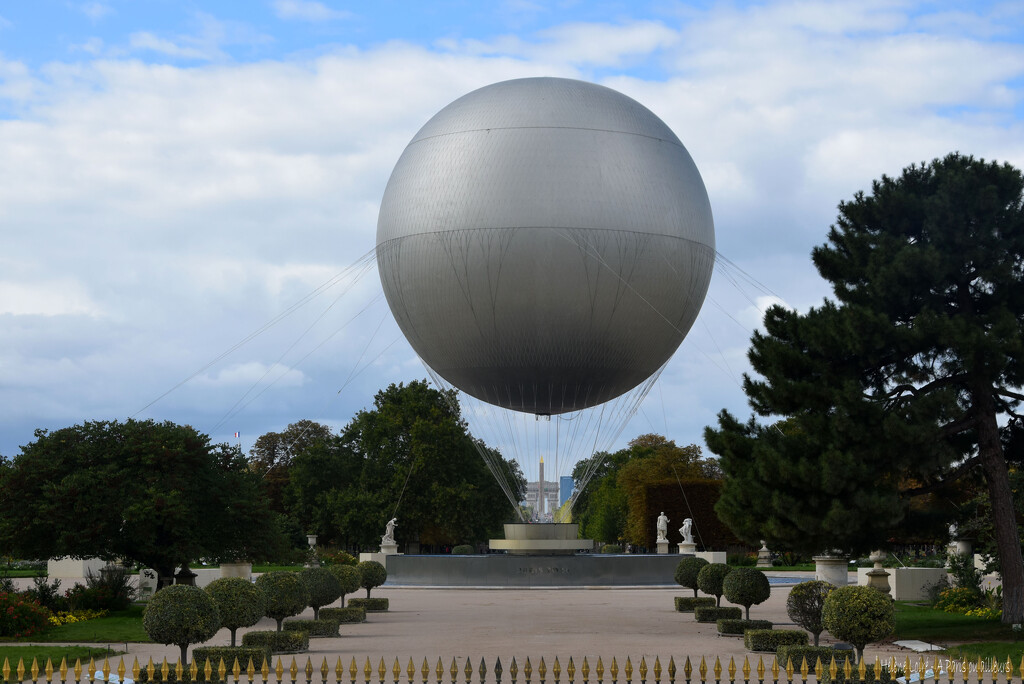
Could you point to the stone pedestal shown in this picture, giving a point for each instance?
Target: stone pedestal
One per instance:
(688, 548)
(764, 556)
(663, 546)
(878, 578)
(831, 569)
(237, 569)
(389, 548)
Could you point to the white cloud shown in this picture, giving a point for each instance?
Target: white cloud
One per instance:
(95, 10)
(144, 40)
(244, 375)
(305, 10)
(50, 298)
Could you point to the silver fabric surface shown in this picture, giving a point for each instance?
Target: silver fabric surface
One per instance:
(545, 244)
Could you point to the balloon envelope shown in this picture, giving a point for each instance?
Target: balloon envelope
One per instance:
(545, 244)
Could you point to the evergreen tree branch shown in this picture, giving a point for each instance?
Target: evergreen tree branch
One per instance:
(951, 476)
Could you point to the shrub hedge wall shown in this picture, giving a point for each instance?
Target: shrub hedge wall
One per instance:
(771, 639)
(713, 614)
(278, 642)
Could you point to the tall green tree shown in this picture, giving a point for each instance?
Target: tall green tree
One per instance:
(159, 494)
(906, 383)
(271, 457)
(409, 456)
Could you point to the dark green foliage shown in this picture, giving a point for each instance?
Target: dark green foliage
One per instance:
(111, 589)
(859, 615)
(229, 654)
(699, 503)
(277, 642)
(785, 653)
(897, 389)
(732, 626)
(746, 587)
(805, 603)
(46, 594)
(687, 571)
(371, 574)
(323, 587)
(344, 487)
(714, 613)
(462, 550)
(314, 628)
(181, 615)
(179, 497)
(687, 604)
(349, 579)
(770, 639)
(710, 578)
(611, 548)
(965, 575)
(344, 615)
(370, 605)
(286, 595)
(240, 602)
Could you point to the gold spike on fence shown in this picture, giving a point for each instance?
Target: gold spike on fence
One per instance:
(754, 669)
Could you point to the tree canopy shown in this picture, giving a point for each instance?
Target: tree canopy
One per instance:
(612, 506)
(156, 493)
(904, 384)
(410, 456)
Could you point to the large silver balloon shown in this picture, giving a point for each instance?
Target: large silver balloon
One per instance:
(545, 244)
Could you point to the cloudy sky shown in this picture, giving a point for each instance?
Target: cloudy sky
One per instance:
(189, 190)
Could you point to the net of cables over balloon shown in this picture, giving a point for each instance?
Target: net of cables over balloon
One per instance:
(545, 245)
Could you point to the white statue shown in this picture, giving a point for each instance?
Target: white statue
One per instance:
(389, 533)
(662, 527)
(686, 531)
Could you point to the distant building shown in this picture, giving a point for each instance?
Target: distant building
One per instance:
(565, 487)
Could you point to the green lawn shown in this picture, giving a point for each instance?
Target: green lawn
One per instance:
(916, 621)
(19, 572)
(12, 654)
(116, 628)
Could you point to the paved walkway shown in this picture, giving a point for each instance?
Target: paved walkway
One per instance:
(431, 623)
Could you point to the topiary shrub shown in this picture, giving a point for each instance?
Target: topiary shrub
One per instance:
(859, 615)
(687, 571)
(746, 587)
(181, 615)
(241, 603)
(229, 654)
(277, 642)
(733, 626)
(21, 617)
(372, 574)
(344, 615)
(686, 604)
(771, 639)
(370, 605)
(805, 603)
(286, 595)
(785, 653)
(710, 578)
(323, 587)
(611, 548)
(314, 628)
(348, 577)
(462, 550)
(715, 613)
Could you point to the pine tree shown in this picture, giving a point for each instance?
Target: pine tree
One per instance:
(904, 384)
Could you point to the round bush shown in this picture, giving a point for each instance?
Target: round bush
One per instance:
(181, 615)
(710, 578)
(348, 577)
(611, 548)
(21, 616)
(323, 587)
(805, 603)
(687, 571)
(859, 615)
(746, 587)
(286, 594)
(372, 574)
(240, 602)
(462, 550)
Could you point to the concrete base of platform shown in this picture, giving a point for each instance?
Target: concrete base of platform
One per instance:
(507, 570)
